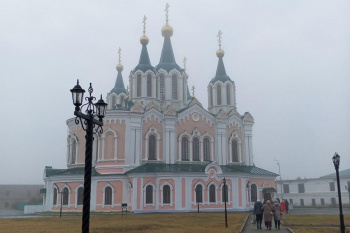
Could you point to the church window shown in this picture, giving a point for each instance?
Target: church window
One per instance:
(149, 85)
(199, 195)
(206, 149)
(228, 95)
(166, 194)
(114, 102)
(253, 193)
(218, 94)
(195, 149)
(234, 151)
(138, 82)
(174, 87)
(185, 148)
(149, 194)
(212, 190)
(74, 151)
(65, 196)
(210, 97)
(108, 196)
(162, 87)
(224, 192)
(80, 196)
(152, 147)
(54, 196)
(157, 86)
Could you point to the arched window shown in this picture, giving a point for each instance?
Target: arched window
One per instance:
(162, 87)
(206, 149)
(74, 151)
(253, 193)
(152, 147)
(54, 196)
(174, 87)
(195, 149)
(108, 196)
(166, 194)
(223, 191)
(149, 194)
(210, 97)
(199, 195)
(65, 196)
(149, 85)
(121, 100)
(234, 151)
(138, 82)
(114, 102)
(157, 86)
(218, 94)
(80, 196)
(212, 191)
(184, 148)
(228, 95)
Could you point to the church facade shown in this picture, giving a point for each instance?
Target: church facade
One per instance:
(160, 149)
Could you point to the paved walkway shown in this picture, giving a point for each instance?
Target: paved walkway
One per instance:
(249, 227)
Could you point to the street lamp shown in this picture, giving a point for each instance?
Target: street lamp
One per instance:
(279, 172)
(336, 161)
(61, 203)
(88, 123)
(224, 181)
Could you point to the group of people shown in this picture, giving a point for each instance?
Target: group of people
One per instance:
(269, 210)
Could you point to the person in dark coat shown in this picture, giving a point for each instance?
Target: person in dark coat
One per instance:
(268, 211)
(258, 213)
(287, 205)
(277, 214)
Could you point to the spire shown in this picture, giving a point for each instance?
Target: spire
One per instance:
(144, 62)
(220, 71)
(167, 59)
(119, 83)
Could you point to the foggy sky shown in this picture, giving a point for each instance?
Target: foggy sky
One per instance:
(289, 61)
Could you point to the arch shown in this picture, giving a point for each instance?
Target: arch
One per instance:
(218, 94)
(228, 94)
(108, 195)
(161, 86)
(149, 194)
(152, 131)
(166, 190)
(198, 191)
(174, 86)
(235, 155)
(111, 144)
(149, 85)
(184, 149)
(228, 193)
(253, 192)
(212, 193)
(79, 195)
(65, 195)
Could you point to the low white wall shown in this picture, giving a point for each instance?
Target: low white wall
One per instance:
(31, 209)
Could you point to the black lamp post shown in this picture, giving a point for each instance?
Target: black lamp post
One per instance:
(224, 181)
(61, 203)
(88, 123)
(336, 161)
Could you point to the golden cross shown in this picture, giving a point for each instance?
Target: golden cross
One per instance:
(185, 59)
(166, 12)
(144, 24)
(193, 90)
(119, 52)
(219, 38)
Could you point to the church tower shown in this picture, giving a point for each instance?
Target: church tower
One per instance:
(143, 78)
(115, 98)
(221, 89)
(172, 78)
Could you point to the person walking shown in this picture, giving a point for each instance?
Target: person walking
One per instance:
(258, 213)
(268, 211)
(277, 214)
(287, 205)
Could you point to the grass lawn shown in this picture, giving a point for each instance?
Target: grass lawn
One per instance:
(315, 223)
(134, 223)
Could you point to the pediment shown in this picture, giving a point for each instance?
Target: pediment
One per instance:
(153, 105)
(136, 108)
(195, 101)
(222, 114)
(248, 117)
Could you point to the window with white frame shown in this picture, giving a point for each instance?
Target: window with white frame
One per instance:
(166, 194)
(162, 87)
(152, 148)
(108, 196)
(212, 193)
(80, 196)
(228, 94)
(184, 150)
(234, 151)
(149, 194)
(199, 195)
(195, 149)
(253, 193)
(206, 149)
(65, 197)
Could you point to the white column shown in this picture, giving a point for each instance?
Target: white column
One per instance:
(146, 149)
(138, 145)
(201, 150)
(158, 142)
(212, 150)
(115, 147)
(103, 147)
(154, 90)
(191, 149)
(179, 152)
